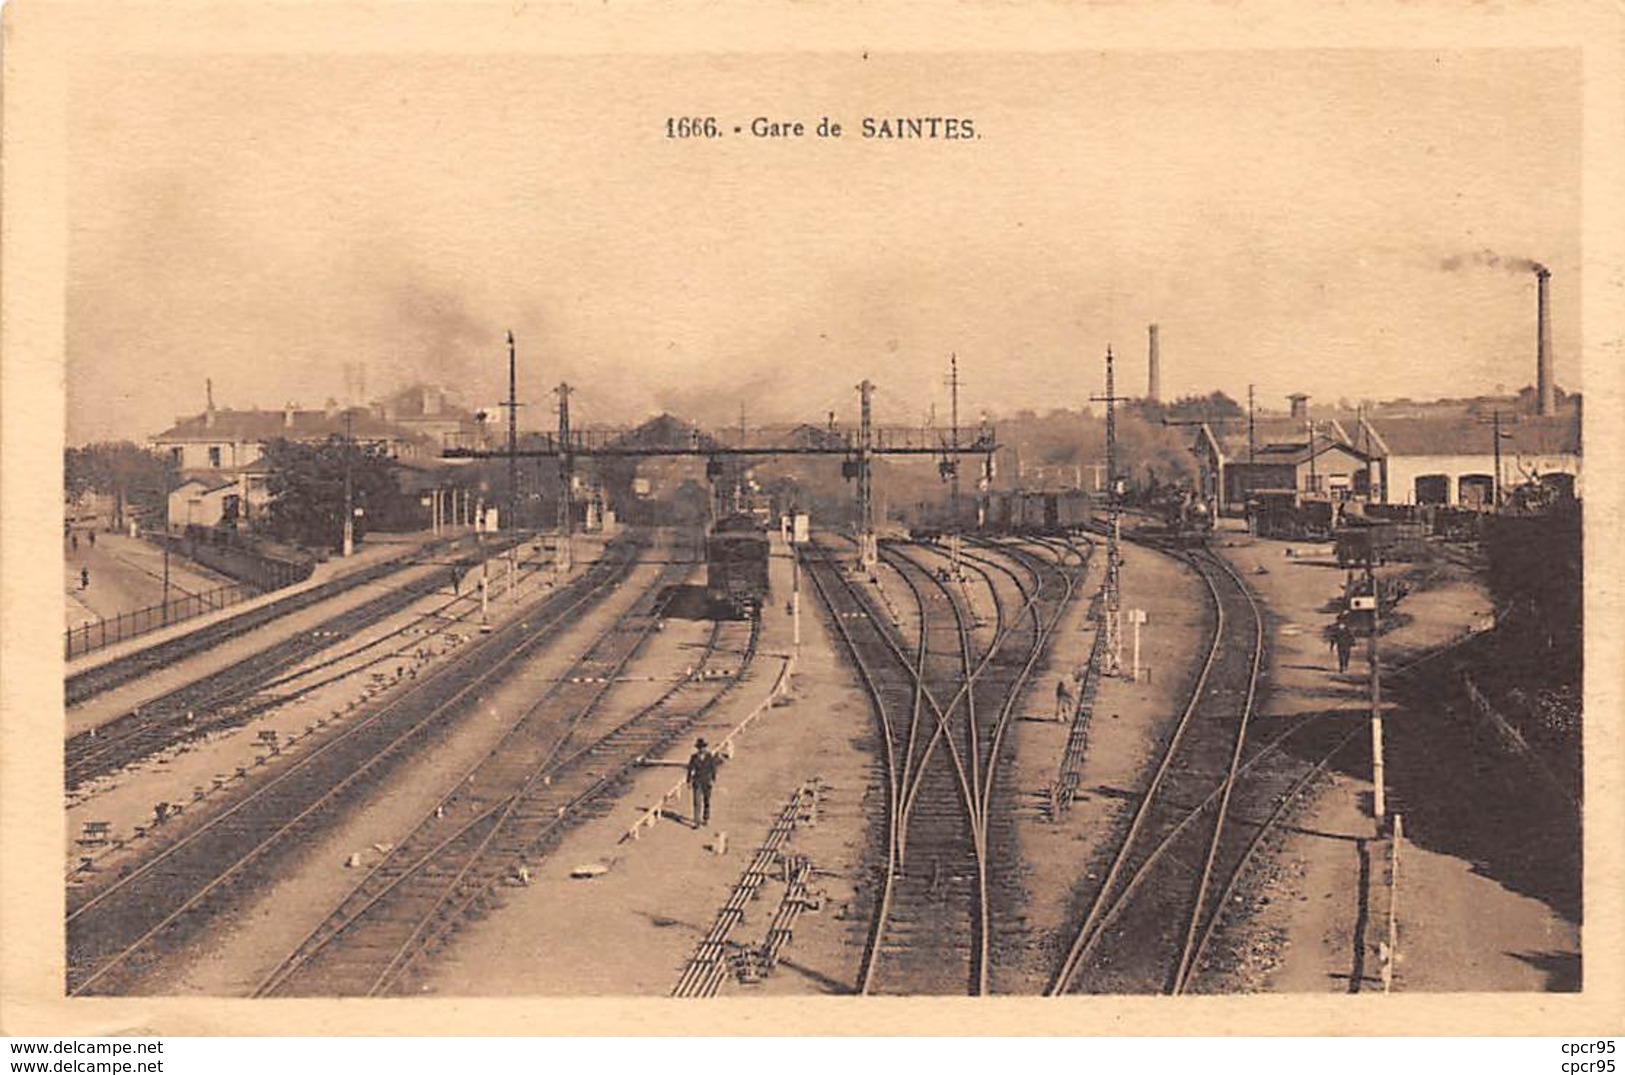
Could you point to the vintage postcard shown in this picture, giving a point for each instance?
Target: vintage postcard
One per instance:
(1042, 519)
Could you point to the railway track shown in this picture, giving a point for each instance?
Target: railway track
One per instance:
(549, 772)
(117, 925)
(943, 707)
(82, 686)
(1218, 789)
(236, 693)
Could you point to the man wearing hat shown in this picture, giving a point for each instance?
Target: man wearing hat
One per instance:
(702, 775)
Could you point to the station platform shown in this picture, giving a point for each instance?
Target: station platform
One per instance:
(114, 703)
(378, 549)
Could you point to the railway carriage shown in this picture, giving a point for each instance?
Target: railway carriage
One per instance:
(736, 571)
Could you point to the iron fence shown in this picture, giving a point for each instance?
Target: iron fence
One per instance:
(88, 637)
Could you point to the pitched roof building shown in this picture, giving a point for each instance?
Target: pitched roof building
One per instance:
(1419, 455)
(224, 446)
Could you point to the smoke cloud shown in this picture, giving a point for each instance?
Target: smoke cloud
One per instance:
(1490, 259)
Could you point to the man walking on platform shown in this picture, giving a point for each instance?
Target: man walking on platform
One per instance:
(702, 777)
(1343, 644)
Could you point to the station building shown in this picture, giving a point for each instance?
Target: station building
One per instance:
(219, 452)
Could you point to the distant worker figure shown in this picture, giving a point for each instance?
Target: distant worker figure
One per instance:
(73, 542)
(1342, 644)
(92, 536)
(1063, 700)
(702, 777)
(84, 578)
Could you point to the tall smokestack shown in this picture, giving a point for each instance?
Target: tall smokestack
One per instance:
(1545, 387)
(1153, 390)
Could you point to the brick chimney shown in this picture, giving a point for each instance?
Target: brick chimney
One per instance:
(1300, 405)
(1545, 386)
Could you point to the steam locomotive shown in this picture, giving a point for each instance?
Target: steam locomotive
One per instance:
(736, 559)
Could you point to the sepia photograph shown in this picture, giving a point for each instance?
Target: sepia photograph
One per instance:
(542, 519)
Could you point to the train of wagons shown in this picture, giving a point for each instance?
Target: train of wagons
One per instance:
(1015, 511)
(736, 559)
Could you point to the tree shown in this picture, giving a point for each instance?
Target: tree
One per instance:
(129, 473)
(307, 487)
(1211, 407)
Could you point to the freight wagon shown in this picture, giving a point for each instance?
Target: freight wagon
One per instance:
(736, 566)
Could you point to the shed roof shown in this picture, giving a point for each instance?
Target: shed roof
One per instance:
(1270, 430)
(207, 484)
(1557, 434)
(1296, 453)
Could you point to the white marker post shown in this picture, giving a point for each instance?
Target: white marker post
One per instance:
(1372, 603)
(1136, 616)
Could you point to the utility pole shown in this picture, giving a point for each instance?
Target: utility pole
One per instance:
(485, 569)
(1379, 801)
(868, 550)
(1313, 481)
(739, 472)
(512, 405)
(166, 546)
(1111, 589)
(953, 463)
(1252, 437)
(566, 478)
(349, 490)
(1495, 493)
(1499, 483)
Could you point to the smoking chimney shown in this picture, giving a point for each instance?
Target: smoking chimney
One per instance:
(1153, 389)
(1545, 388)
(1300, 406)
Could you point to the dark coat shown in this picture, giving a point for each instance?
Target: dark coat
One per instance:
(702, 768)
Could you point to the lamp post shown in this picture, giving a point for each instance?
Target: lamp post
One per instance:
(165, 617)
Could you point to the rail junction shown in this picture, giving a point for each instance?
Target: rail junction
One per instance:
(575, 681)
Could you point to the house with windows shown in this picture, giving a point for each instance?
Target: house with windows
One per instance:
(205, 501)
(1322, 465)
(224, 446)
(1236, 458)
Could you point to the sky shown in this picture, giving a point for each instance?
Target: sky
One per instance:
(1301, 221)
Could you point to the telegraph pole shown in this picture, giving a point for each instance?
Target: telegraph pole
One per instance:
(1379, 801)
(166, 544)
(1495, 493)
(1111, 591)
(566, 478)
(349, 490)
(1497, 483)
(513, 435)
(868, 551)
(1251, 430)
(953, 463)
(1314, 482)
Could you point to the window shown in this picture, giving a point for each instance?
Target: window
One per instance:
(214, 455)
(177, 455)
